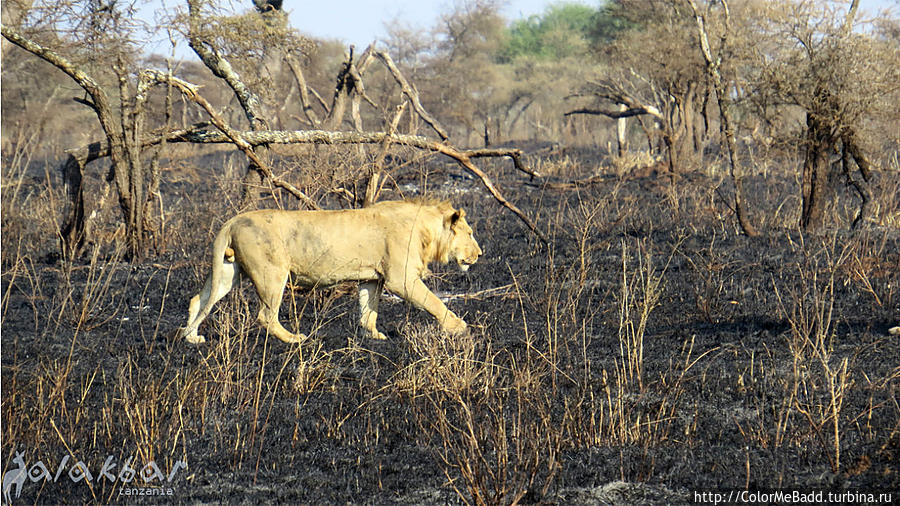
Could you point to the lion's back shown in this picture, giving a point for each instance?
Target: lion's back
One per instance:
(326, 247)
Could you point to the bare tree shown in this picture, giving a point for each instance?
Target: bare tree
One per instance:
(720, 87)
(220, 40)
(464, 85)
(118, 106)
(225, 45)
(813, 58)
(639, 76)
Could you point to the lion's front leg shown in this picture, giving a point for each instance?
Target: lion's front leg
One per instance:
(369, 295)
(415, 291)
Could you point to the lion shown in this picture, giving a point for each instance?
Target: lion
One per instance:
(387, 245)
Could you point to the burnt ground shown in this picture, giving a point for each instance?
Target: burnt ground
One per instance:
(543, 402)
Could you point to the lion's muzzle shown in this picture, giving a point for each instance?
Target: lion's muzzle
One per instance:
(466, 261)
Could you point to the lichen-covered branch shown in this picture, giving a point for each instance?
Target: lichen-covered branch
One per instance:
(463, 157)
(222, 69)
(190, 92)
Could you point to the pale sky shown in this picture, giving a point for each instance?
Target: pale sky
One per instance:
(358, 22)
(361, 22)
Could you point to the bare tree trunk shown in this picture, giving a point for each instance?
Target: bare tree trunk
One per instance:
(627, 107)
(621, 132)
(704, 116)
(155, 176)
(376, 177)
(122, 150)
(727, 127)
(519, 114)
(851, 151)
(688, 120)
(816, 164)
(249, 101)
(72, 232)
(669, 143)
(349, 87)
(822, 137)
(132, 198)
(305, 104)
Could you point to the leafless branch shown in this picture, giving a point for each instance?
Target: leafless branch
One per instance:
(190, 91)
(411, 94)
(463, 157)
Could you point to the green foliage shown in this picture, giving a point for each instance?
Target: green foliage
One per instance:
(562, 30)
(610, 20)
(565, 29)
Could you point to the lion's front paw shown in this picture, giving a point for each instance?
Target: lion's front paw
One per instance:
(456, 327)
(294, 338)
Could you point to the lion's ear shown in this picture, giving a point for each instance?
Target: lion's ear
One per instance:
(451, 219)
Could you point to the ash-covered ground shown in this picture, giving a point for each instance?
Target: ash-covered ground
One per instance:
(649, 351)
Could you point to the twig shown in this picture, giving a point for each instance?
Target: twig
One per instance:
(190, 91)
(411, 94)
(324, 137)
(500, 291)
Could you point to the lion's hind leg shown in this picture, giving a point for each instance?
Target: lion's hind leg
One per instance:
(369, 294)
(189, 331)
(270, 288)
(202, 303)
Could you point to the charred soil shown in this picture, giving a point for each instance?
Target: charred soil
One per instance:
(647, 352)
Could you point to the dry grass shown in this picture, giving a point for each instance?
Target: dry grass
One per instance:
(498, 409)
(486, 416)
(819, 378)
(630, 162)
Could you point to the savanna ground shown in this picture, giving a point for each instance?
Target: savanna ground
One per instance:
(646, 352)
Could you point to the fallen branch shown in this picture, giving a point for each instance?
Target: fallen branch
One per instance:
(514, 154)
(573, 184)
(338, 137)
(615, 114)
(411, 94)
(246, 140)
(190, 91)
(463, 157)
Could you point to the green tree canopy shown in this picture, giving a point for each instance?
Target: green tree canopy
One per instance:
(562, 30)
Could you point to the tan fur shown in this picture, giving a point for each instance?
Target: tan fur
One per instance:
(388, 245)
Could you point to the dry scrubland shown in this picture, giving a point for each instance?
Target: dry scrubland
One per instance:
(647, 351)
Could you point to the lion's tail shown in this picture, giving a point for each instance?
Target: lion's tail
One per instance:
(202, 304)
(221, 252)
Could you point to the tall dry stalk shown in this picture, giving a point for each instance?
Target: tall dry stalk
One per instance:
(489, 415)
(819, 380)
(639, 295)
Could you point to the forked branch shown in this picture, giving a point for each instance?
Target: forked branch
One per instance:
(463, 157)
(190, 92)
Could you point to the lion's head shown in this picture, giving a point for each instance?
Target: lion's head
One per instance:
(460, 241)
